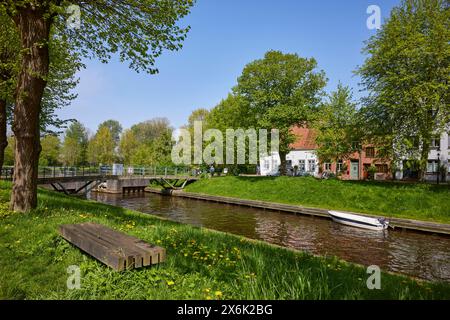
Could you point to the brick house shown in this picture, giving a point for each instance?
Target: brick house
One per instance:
(356, 166)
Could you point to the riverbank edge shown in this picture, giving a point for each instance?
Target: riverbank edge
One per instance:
(395, 223)
(181, 193)
(137, 214)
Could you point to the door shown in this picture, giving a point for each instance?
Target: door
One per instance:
(354, 170)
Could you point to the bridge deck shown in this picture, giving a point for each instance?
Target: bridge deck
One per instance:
(65, 179)
(91, 177)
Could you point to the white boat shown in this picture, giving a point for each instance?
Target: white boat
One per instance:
(358, 221)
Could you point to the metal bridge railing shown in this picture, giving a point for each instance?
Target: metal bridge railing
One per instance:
(128, 171)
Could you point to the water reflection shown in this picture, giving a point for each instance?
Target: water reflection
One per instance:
(419, 255)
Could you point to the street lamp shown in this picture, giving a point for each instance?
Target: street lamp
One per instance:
(438, 163)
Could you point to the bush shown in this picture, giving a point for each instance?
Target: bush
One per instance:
(371, 172)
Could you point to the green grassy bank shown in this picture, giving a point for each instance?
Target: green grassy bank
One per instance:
(201, 264)
(412, 201)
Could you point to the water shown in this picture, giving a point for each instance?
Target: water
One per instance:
(415, 254)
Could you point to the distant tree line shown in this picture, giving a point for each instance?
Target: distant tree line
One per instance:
(148, 143)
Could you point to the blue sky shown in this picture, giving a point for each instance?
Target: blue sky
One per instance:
(226, 35)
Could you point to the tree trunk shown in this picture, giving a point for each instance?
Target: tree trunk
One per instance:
(3, 137)
(283, 170)
(34, 35)
(423, 161)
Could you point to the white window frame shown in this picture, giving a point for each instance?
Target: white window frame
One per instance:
(435, 142)
(339, 165)
(311, 165)
(432, 166)
(301, 165)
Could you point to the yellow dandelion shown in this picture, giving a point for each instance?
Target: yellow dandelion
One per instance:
(170, 283)
(218, 294)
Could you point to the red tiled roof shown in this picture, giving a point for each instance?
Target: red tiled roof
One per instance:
(306, 139)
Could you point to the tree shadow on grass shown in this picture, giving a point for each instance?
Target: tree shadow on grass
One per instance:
(115, 214)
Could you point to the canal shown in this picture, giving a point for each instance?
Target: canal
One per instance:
(420, 255)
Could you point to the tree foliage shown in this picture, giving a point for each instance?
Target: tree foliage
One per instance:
(127, 146)
(101, 147)
(74, 147)
(114, 127)
(148, 143)
(9, 151)
(50, 150)
(150, 130)
(336, 125)
(61, 79)
(407, 75)
(281, 90)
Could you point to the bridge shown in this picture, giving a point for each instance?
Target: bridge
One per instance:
(74, 180)
(127, 184)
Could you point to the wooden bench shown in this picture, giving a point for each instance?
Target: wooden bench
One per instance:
(113, 248)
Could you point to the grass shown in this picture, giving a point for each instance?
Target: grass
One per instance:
(201, 264)
(413, 201)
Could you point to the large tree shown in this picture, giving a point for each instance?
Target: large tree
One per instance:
(128, 146)
(149, 130)
(138, 30)
(50, 150)
(407, 75)
(101, 147)
(281, 91)
(200, 114)
(74, 148)
(336, 124)
(9, 51)
(154, 142)
(234, 113)
(61, 79)
(114, 127)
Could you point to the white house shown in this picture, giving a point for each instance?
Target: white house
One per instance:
(439, 146)
(302, 157)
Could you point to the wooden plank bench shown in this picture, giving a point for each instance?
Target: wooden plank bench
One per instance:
(115, 249)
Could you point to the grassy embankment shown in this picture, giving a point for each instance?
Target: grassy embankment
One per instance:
(201, 264)
(412, 201)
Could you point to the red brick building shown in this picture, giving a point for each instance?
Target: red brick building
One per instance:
(356, 167)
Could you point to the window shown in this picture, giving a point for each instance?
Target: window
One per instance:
(266, 164)
(370, 152)
(312, 165)
(289, 163)
(432, 166)
(382, 168)
(328, 166)
(339, 166)
(301, 165)
(435, 142)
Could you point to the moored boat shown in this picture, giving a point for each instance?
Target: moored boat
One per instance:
(358, 221)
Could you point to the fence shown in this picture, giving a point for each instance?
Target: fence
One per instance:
(63, 172)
